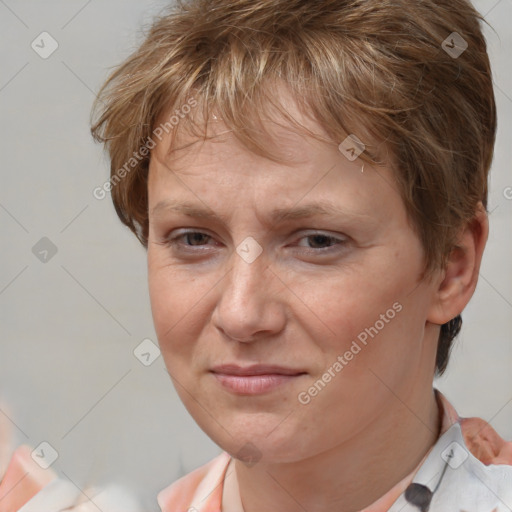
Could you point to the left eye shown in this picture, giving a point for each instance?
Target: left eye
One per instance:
(319, 241)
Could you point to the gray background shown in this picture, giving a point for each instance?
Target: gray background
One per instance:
(69, 326)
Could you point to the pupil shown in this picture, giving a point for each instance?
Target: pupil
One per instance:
(196, 237)
(319, 240)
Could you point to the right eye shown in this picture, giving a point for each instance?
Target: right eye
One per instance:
(188, 239)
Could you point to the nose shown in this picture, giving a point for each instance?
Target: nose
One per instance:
(250, 305)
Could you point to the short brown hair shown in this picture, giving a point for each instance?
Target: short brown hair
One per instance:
(380, 69)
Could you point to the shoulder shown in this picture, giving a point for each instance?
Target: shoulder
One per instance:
(479, 437)
(27, 487)
(462, 475)
(198, 491)
(485, 443)
(482, 476)
(22, 480)
(479, 473)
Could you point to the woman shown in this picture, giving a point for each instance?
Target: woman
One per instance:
(310, 181)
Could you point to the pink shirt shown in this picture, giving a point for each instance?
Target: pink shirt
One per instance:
(477, 478)
(27, 487)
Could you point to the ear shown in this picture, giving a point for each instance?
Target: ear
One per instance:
(457, 283)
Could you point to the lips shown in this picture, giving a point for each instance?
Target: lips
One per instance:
(254, 379)
(257, 369)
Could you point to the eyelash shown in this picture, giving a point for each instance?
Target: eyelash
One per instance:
(175, 241)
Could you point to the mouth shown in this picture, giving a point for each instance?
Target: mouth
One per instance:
(255, 379)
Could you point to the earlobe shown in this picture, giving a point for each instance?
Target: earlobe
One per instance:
(457, 283)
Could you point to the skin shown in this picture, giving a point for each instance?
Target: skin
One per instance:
(301, 304)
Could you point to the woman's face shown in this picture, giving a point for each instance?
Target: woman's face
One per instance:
(286, 298)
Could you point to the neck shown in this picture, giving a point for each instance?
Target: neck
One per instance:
(355, 473)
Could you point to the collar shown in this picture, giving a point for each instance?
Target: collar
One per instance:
(471, 459)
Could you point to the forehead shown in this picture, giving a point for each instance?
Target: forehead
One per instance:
(274, 124)
(278, 130)
(223, 170)
(222, 180)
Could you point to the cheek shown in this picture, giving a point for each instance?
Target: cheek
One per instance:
(350, 302)
(369, 314)
(376, 346)
(172, 298)
(180, 305)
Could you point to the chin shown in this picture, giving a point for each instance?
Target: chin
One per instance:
(269, 442)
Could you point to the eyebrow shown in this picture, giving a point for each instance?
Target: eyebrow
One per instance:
(277, 215)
